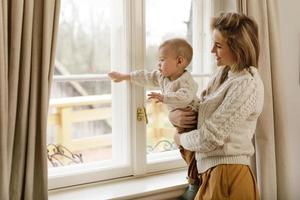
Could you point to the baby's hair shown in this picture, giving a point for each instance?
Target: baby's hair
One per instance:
(180, 47)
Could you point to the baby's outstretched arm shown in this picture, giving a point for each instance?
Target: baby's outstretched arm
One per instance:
(118, 77)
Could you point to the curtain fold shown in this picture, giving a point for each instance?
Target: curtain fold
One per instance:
(3, 102)
(28, 30)
(241, 6)
(266, 15)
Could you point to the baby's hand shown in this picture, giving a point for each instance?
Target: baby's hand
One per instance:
(118, 77)
(157, 96)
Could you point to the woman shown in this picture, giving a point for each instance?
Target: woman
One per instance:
(227, 114)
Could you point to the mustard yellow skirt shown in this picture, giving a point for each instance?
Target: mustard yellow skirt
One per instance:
(234, 182)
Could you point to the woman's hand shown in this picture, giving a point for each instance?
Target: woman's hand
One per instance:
(184, 118)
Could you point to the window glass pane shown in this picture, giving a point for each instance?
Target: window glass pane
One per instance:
(164, 20)
(83, 44)
(79, 129)
(159, 129)
(81, 135)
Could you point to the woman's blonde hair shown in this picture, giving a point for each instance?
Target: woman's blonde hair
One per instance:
(241, 35)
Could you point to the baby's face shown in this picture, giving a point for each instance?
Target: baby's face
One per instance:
(167, 62)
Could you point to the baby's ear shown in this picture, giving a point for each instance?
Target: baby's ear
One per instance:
(181, 60)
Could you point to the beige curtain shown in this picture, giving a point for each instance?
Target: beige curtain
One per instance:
(28, 30)
(266, 14)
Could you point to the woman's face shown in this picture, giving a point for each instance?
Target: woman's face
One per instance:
(223, 54)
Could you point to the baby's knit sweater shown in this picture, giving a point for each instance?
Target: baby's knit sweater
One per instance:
(179, 93)
(226, 120)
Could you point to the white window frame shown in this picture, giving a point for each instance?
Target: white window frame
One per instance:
(92, 172)
(135, 137)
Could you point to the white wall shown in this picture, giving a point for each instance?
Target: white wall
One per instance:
(288, 99)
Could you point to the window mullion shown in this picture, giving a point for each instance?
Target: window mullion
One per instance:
(198, 35)
(136, 41)
(120, 100)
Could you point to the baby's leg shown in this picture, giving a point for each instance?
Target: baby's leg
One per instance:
(192, 176)
(189, 157)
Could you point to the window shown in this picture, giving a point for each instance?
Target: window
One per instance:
(93, 131)
(161, 24)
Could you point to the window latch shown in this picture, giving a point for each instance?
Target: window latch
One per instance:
(141, 114)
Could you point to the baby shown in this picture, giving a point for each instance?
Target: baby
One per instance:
(178, 88)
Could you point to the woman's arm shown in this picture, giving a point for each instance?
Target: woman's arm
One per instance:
(240, 101)
(181, 119)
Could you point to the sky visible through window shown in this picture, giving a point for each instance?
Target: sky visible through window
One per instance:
(172, 10)
(86, 11)
(170, 13)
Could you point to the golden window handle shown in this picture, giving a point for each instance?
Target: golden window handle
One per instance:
(141, 114)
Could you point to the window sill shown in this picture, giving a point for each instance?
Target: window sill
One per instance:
(160, 186)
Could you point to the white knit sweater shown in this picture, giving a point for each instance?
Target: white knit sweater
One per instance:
(179, 93)
(227, 120)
